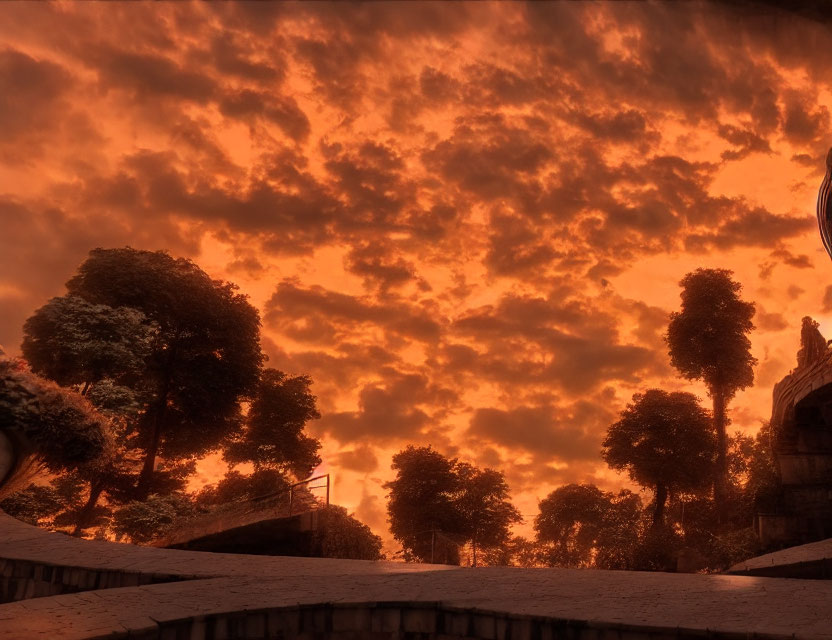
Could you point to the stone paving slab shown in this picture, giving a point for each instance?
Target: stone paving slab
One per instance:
(237, 585)
(21, 541)
(725, 604)
(811, 552)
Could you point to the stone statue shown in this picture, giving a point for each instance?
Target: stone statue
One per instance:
(812, 343)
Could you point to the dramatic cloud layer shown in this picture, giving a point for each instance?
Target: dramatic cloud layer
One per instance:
(467, 222)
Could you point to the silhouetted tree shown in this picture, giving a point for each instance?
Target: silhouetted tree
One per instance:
(436, 502)
(665, 441)
(515, 551)
(620, 532)
(102, 351)
(708, 340)
(763, 485)
(63, 429)
(273, 434)
(421, 502)
(73, 342)
(142, 521)
(205, 355)
(581, 526)
(570, 520)
(236, 486)
(485, 507)
(344, 536)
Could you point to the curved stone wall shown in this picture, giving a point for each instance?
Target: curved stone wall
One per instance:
(218, 596)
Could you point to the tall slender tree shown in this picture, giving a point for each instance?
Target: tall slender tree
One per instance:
(708, 341)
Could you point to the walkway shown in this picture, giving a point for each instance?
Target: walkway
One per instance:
(225, 595)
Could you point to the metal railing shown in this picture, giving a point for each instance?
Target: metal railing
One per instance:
(295, 499)
(268, 499)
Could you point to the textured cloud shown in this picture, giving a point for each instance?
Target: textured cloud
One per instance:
(466, 223)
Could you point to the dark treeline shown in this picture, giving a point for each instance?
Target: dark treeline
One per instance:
(166, 363)
(150, 365)
(705, 483)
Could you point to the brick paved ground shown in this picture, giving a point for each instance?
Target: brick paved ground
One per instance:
(811, 552)
(632, 601)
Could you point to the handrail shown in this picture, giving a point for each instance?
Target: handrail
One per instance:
(291, 490)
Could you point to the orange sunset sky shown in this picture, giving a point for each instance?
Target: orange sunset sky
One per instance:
(467, 222)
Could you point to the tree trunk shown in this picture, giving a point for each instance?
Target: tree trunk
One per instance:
(721, 470)
(84, 517)
(658, 510)
(146, 475)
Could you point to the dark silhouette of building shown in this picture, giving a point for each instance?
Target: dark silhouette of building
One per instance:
(801, 423)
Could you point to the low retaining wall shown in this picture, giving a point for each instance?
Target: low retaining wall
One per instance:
(409, 621)
(22, 579)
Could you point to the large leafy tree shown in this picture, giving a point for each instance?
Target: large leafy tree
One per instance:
(435, 504)
(708, 341)
(570, 520)
(205, 355)
(666, 442)
(103, 352)
(55, 427)
(579, 525)
(74, 342)
(485, 507)
(421, 503)
(273, 436)
(236, 486)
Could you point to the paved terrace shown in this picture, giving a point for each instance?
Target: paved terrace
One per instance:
(233, 596)
(812, 561)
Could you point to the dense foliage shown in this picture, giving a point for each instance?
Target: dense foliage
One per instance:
(273, 435)
(160, 365)
(205, 356)
(664, 441)
(436, 504)
(581, 526)
(708, 340)
(64, 428)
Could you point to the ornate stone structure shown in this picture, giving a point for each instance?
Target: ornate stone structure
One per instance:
(825, 206)
(801, 421)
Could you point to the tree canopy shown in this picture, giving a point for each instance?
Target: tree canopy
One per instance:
(205, 354)
(708, 340)
(64, 428)
(436, 502)
(665, 441)
(421, 501)
(582, 526)
(273, 435)
(484, 506)
(74, 342)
